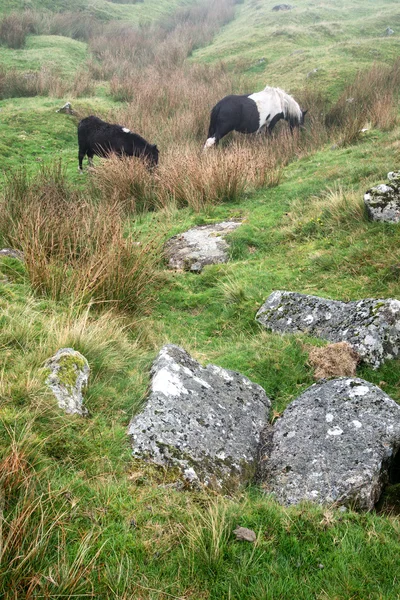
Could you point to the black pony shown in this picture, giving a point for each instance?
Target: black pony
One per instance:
(96, 137)
(253, 113)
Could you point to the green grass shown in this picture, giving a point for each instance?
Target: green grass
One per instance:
(49, 51)
(101, 9)
(337, 38)
(99, 524)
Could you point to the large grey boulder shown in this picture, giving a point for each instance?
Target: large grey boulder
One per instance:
(67, 376)
(333, 444)
(371, 327)
(383, 201)
(200, 246)
(205, 421)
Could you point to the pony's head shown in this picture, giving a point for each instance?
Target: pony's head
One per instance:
(303, 114)
(152, 153)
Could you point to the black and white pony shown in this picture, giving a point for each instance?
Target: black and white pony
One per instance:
(96, 137)
(253, 113)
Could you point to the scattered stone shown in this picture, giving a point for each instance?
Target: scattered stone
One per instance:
(200, 246)
(12, 253)
(282, 7)
(67, 379)
(312, 73)
(350, 100)
(371, 327)
(333, 444)
(388, 31)
(334, 360)
(245, 535)
(205, 421)
(66, 109)
(383, 201)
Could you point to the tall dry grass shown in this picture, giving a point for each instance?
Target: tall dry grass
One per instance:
(73, 246)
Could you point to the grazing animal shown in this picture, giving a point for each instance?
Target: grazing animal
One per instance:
(253, 113)
(96, 137)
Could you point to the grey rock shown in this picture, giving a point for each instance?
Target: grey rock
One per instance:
(388, 31)
(282, 7)
(312, 73)
(200, 246)
(333, 444)
(205, 421)
(66, 109)
(12, 253)
(244, 535)
(383, 201)
(371, 327)
(68, 374)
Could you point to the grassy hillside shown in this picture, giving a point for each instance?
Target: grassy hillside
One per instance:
(79, 517)
(141, 11)
(281, 48)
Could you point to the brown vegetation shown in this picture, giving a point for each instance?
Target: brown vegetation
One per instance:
(334, 360)
(75, 247)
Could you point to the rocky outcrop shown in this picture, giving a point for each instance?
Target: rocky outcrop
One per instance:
(67, 376)
(383, 201)
(371, 327)
(200, 246)
(205, 421)
(333, 444)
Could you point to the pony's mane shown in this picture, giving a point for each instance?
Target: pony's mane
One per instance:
(289, 106)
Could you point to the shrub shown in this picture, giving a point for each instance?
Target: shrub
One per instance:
(74, 247)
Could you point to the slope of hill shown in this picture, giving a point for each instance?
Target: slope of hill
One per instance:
(79, 517)
(281, 48)
(139, 10)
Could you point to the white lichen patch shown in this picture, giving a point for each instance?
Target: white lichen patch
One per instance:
(335, 431)
(329, 417)
(167, 383)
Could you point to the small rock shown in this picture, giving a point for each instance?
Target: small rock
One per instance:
(383, 201)
(67, 378)
(200, 246)
(388, 31)
(12, 253)
(66, 109)
(245, 535)
(282, 7)
(312, 73)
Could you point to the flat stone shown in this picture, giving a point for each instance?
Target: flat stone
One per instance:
(383, 201)
(282, 7)
(200, 246)
(371, 327)
(12, 253)
(68, 374)
(333, 444)
(206, 421)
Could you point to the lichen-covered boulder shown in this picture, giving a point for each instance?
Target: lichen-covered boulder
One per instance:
(383, 201)
(333, 444)
(67, 374)
(200, 246)
(205, 421)
(371, 327)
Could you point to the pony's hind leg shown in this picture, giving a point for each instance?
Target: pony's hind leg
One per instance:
(81, 156)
